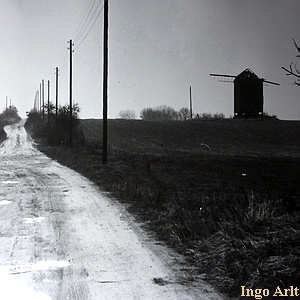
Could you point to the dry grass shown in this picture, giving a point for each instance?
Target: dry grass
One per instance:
(235, 217)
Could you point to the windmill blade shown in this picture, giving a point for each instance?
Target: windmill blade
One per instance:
(226, 79)
(223, 78)
(275, 83)
(222, 75)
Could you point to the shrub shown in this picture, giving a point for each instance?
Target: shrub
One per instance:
(56, 129)
(127, 114)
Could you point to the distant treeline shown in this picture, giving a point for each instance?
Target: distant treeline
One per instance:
(168, 113)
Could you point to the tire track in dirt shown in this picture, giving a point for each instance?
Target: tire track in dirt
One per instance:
(68, 280)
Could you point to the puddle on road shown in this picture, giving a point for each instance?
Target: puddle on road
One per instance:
(9, 183)
(12, 288)
(5, 202)
(48, 264)
(38, 266)
(33, 220)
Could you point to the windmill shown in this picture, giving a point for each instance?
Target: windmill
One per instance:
(248, 92)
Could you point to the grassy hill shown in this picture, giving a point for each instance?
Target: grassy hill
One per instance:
(209, 155)
(225, 193)
(229, 137)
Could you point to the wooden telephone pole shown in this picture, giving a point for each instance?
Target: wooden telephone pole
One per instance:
(105, 75)
(56, 94)
(40, 98)
(48, 110)
(191, 107)
(43, 96)
(71, 110)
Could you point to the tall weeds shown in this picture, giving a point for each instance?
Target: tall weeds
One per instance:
(233, 237)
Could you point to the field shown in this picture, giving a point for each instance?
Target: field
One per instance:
(225, 193)
(228, 137)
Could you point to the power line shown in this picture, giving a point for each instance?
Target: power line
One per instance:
(63, 68)
(84, 21)
(65, 60)
(90, 28)
(88, 23)
(65, 57)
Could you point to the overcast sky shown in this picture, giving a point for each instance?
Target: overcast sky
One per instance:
(157, 50)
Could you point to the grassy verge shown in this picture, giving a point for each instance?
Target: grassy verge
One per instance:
(235, 218)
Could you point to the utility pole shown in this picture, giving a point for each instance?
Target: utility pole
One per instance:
(6, 102)
(36, 101)
(43, 96)
(48, 110)
(36, 107)
(56, 95)
(191, 108)
(105, 76)
(40, 98)
(71, 112)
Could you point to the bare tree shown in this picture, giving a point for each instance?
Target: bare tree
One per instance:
(127, 114)
(184, 114)
(293, 70)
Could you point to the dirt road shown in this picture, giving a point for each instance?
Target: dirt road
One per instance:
(62, 238)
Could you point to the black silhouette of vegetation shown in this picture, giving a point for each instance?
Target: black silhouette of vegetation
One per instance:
(168, 113)
(55, 128)
(160, 113)
(8, 116)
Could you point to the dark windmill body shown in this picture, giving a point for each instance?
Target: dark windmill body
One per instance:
(248, 93)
